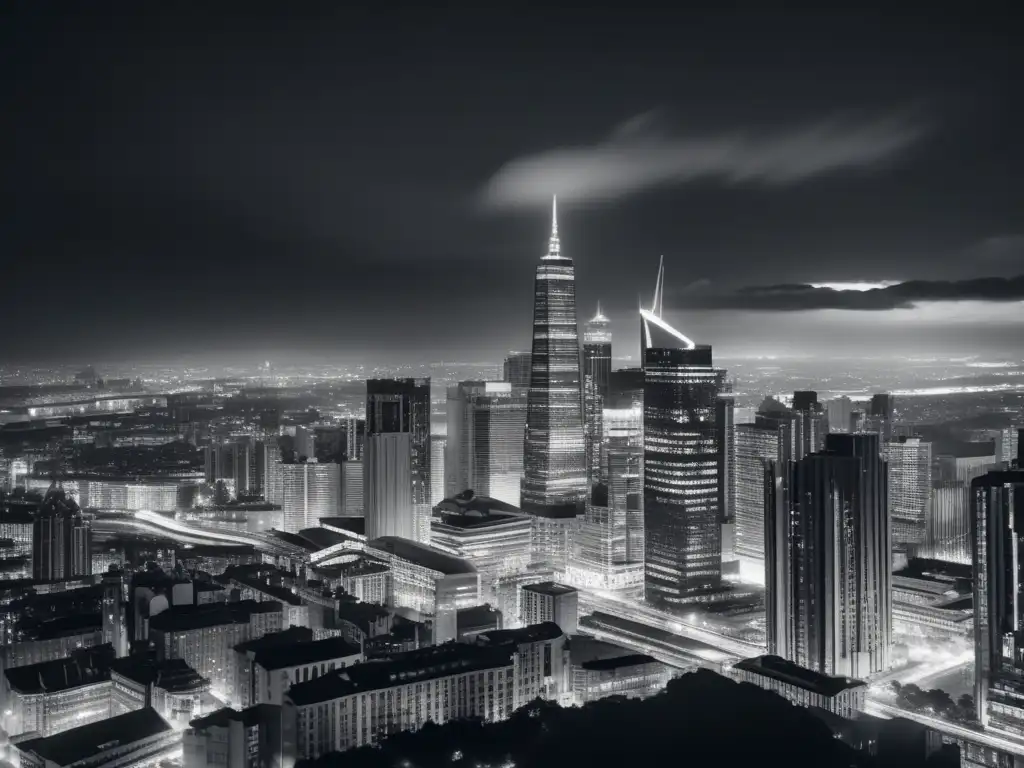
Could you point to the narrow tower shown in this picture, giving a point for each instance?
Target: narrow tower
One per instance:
(554, 466)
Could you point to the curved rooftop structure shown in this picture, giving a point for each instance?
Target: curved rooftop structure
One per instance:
(654, 331)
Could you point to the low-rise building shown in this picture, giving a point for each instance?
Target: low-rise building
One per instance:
(492, 535)
(53, 696)
(132, 740)
(549, 601)
(428, 581)
(275, 669)
(601, 669)
(205, 637)
(229, 738)
(245, 660)
(363, 704)
(804, 687)
(541, 658)
(170, 686)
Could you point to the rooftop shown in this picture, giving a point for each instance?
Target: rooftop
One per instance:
(550, 588)
(88, 741)
(360, 614)
(534, 633)
(422, 555)
(619, 662)
(190, 617)
(785, 671)
(356, 525)
(361, 566)
(400, 669)
(322, 538)
(283, 594)
(276, 639)
(296, 654)
(84, 667)
(467, 510)
(172, 675)
(221, 718)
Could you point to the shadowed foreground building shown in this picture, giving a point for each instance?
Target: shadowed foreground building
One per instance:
(997, 544)
(134, 739)
(828, 571)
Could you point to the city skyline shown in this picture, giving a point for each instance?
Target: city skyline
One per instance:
(865, 183)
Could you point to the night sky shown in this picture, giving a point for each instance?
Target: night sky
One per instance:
(321, 182)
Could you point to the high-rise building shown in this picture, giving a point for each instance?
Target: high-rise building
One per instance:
(778, 434)
(554, 463)
(61, 538)
(997, 546)
(437, 446)
(1007, 445)
(608, 553)
(840, 411)
(597, 368)
(402, 406)
(306, 491)
(828, 570)
(352, 494)
(682, 463)
(910, 488)
(355, 430)
(517, 368)
(484, 452)
(387, 486)
(880, 414)
(551, 601)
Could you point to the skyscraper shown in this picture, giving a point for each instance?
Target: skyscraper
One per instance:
(554, 463)
(61, 538)
(387, 487)
(608, 553)
(881, 410)
(400, 406)
(516, 369)
(682, 463)
(437, 446)
(778, 434)
(997, 545)
(597, 368)
(910, 488)
(828, 573)
(484, 452)
(306, 491)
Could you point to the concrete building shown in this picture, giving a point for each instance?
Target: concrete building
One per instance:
(171, 687)
(205, 637)
(804, 687)
(428, 581)
(53, 696)
(306, 492)
(492, 535)
(551, 602)
(387, 486)
(229, 738)
(133, 740)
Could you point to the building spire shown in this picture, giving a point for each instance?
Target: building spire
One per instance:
(659, 289)
(554, 246)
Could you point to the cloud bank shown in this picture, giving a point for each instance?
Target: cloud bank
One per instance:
(636, 157)
(793, 297)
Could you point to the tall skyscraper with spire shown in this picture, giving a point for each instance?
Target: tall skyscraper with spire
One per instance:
(554, 464)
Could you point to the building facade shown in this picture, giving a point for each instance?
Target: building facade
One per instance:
(484, 451)
(306, 491)
(997, 546)
(828, 567)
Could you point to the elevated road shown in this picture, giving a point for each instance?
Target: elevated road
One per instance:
(193, 533)
(984, 738)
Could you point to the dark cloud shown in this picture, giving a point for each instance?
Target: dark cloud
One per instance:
(794, 297)
(637, 156)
